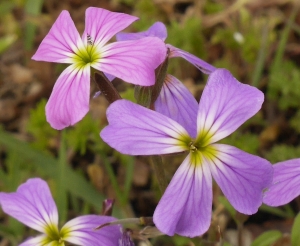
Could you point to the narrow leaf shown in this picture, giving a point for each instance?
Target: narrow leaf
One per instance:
(295, 231)
(267, 238)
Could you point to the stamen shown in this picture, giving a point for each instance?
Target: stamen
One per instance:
(192, 147)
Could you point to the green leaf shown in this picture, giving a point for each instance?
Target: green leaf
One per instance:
(267, 238)
(48, 166)
(6, 7)
(7, 41)
(295, 236)
(286, 213)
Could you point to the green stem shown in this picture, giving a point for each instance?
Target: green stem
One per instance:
(159, 171)
(61, 187)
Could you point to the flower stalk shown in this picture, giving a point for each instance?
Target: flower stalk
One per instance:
(106, 87)
(157, 165)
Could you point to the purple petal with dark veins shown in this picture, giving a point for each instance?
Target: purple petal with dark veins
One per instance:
(241, 176)
(177, 102)
(135, 130)
(285, 185)
(185, 207)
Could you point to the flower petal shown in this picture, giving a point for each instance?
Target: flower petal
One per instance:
(69, 101)
(242, 177)
(32, 205)
(285, 185)
(39, 240)
(102, 24)
(158, 29)
(185, 207)
(133, 61)
(225, 105)
(203, 66)
(135, 130)
(81, 231)
(176, 102)
(61, 43)
(126, 239)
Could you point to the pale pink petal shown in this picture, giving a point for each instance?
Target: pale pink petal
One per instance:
(61, 43)
(185, 207)
(158, 29)
(35, 241)
(177, 102)
(69, 101)
(225, 105)
(32, 205)
(241, 176)
(285, 185)
(203, 66)
(136, 130)
(82, 231)
(133, 61)
(101, 25)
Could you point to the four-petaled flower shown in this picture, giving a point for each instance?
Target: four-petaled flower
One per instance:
(285, 184)
(185, 207)
(133, 61)
(34, 206)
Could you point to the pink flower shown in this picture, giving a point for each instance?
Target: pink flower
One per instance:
(133, 61)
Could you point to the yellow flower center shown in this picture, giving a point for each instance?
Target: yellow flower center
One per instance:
(200, 147)
(56, 237)
(86, 55)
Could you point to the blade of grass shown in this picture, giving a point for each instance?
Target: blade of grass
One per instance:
(129, 162)
(32, 8)
(267, 238)
(113, 179)
(275, 211)
(13, 170)
(261, 57)
(283, 40)
(295, 236)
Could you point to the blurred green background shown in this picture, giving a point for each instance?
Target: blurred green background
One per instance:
(258, 41)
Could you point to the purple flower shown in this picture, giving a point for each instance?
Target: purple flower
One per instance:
(158, 29)
(125, 240)
(285, 185)
(174, 98)
(34, 206)
(185, 207)
(133, 61)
